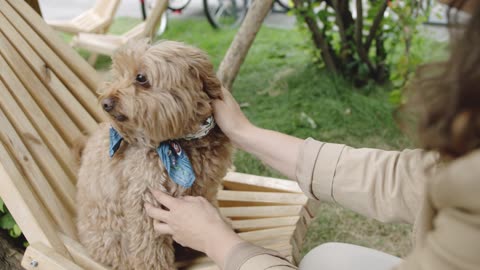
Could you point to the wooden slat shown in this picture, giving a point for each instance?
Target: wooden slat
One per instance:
(57, 208)
(228, 197)
(237, 52)
(75, 62)
(134, 33)
(35, 143)
(108, 44)
(80, 255)
(89, 21)
(69, 103)
(72, 79)
(25, 207)
(40, 257)
(37, 179)
(153, 21)
(63, 26)
(104, 44)
(17, 94)
(267, 233)
(261, 211)
(264, 223)
(248, 182)
(40, 93)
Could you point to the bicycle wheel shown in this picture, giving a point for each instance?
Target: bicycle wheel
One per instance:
(225, 13)
(285, 4)
(177, 5)
(163, 21)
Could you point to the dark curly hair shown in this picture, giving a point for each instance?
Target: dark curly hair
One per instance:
(445, 96)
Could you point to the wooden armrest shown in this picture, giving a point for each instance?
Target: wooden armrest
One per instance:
(40, 257)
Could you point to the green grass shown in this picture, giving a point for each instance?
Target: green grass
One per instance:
(279, 88)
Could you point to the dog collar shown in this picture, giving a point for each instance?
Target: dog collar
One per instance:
(205, 128)
(175, 160)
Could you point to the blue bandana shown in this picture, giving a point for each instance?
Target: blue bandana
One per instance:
(174, 159)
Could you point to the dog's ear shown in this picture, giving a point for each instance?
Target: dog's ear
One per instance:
(202, 68)
(212, 85)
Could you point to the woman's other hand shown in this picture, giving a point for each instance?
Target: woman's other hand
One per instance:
(195, 223)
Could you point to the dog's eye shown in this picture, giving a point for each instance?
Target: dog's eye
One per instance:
(142, 80)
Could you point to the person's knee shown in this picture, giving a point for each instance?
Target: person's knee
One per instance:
(340, 256)
(324, 256)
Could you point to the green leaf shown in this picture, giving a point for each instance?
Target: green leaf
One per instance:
(7, 222)
(2, 206)
(395, 97)
(15, 232)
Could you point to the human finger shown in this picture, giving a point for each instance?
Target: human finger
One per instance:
(162, 228)
(156, 213)
(189, 198)
(164, 198)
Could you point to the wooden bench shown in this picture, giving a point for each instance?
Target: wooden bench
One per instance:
(95, 20)
(106, 44)
(47, 101)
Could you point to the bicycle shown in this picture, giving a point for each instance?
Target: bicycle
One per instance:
(219, 13)
(230, 13)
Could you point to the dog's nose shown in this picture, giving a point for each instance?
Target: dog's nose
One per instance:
(108, 104)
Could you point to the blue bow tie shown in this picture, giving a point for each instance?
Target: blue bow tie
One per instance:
(174, 159)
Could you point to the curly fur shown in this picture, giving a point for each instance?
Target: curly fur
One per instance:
(112, 222)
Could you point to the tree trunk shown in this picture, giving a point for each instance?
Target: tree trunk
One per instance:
(318, 37)
(9, 257)
(228, 70)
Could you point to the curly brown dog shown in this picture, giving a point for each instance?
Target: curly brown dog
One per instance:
(161, 125)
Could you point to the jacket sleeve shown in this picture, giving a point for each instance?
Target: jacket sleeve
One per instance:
(385, 185)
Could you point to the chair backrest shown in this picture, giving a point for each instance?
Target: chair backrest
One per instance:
(47, 102)
(149, 27)
(153, 21)
(106, 8)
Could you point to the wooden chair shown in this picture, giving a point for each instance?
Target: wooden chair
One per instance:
(47, 100)
(107, 44)
(95, 20)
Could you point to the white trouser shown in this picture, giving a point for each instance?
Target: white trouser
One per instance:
(339, 256)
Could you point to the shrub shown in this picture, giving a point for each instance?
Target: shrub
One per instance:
(8, 223)
(351, 36)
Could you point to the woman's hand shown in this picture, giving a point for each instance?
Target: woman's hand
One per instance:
(277, 150)
(230, 117)
(195, 223)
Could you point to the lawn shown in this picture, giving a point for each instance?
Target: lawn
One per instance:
(279, 88)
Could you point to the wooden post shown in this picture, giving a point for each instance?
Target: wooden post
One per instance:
(228, 70)
(35, 5)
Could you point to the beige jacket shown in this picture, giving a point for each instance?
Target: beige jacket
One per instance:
(392, 186)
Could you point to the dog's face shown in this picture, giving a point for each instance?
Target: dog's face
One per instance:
(159, 92)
